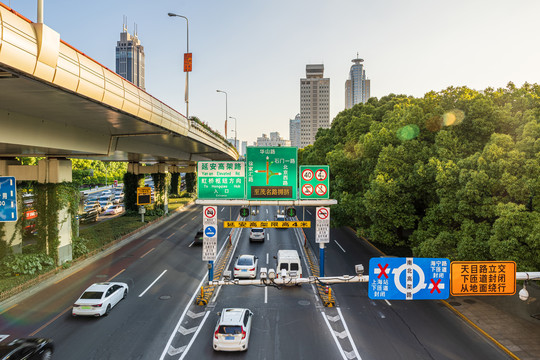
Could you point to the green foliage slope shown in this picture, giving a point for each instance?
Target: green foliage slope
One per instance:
(453, 174)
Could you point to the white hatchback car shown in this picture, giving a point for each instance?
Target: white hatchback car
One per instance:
(233, 330)
(100, 298)
(256, 234)
(246, 266)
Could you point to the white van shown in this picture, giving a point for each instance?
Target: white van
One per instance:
(288, 260)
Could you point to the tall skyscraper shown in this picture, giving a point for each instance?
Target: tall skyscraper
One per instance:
(130, 57)
(314, 104)
(294, 131)
(357, 88)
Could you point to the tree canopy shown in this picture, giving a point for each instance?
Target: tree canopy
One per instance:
(453, 174)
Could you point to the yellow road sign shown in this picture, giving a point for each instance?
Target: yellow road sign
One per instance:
(470, 278)
(267, 224)
(144, 195)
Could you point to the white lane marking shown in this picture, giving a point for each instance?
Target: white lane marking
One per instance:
(3, 337)
(342, 249)
(170, 235)
(266, 294)
(267, 211)
(192, 315)
(267, 258)
(342, 335)
(172, 351)
(333, 335)
(309, 212)
(164, 271)
(333, 318)
(195, 336)
(182, 330)
(381, 315)
(350, 337)
(268, 236)
(190, 245)
(222, 209)
(388, 302)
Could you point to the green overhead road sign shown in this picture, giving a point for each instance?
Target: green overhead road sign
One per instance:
(271, 173)
(221, 180)
(314, 182)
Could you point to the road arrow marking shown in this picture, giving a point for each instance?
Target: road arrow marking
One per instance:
(193, 315)
(350, 355)
(342, 335)
(172, 351)
(185, 331)
(333, 318)
(3, 337)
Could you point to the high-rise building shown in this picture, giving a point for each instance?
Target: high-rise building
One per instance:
(244, 148)
(357, 87)
(294, 131)
(314, 104)
(274, 140)
(130, 57)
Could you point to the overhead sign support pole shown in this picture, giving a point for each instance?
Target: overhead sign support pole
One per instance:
(322, 233)
(210, 238)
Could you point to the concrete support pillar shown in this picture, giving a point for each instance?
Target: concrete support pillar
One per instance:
(52, 171)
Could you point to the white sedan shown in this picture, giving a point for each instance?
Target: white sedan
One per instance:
(100, 298)
(113, 210)
(246, 266)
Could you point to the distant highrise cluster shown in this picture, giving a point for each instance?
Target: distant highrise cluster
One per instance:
(130, 57)
(294, 131)
(314, 104)
(357, 87)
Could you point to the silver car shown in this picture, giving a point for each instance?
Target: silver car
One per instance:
(256, 234)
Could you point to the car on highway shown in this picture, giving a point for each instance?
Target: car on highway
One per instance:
(198, 239)
(100, 298)
(233, 329)
(113, 210)
(105, 204)
(280, 217)
(256, 234)
(29, 348)
(246, 266)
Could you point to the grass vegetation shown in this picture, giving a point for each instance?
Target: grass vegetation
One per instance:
(91, 238)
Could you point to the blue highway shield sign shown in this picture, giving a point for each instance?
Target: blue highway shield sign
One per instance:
(8, 199)
(409, 278)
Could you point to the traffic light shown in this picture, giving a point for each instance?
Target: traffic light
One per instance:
(244, 212)
(291, 212)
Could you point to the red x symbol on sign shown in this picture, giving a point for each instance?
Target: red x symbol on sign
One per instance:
(435, 286)
(383, 271)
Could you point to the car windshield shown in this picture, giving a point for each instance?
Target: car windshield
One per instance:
(230, 330)
(92, 295)
(245, 261)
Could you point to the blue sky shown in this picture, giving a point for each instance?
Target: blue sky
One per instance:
(257, 50)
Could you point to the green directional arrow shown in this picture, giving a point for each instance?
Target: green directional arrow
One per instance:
(244, 212)
(291, 212)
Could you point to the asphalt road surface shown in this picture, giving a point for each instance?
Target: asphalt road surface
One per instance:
(159, 321)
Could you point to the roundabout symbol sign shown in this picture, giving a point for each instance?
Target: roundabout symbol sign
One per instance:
(409, 278)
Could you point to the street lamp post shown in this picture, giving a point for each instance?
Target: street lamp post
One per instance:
(187, 72)
(235, 144)
(226, 111)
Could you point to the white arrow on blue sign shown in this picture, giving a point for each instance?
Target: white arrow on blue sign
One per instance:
(8, 199)
(409, 278)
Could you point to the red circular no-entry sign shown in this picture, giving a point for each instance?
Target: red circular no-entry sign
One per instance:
(210, 212)
(323, 213)
(307, 189)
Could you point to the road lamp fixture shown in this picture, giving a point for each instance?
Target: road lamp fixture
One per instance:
(187, 56)
(235, 144)
(226, 111)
